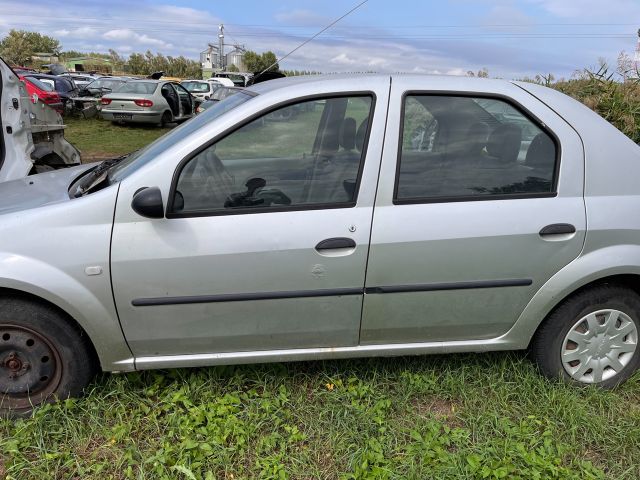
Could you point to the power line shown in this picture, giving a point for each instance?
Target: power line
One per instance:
(308, 40)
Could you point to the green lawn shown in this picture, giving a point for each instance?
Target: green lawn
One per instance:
(98, 139)
(458, 416)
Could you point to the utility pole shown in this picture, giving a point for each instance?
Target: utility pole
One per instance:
(221, 57)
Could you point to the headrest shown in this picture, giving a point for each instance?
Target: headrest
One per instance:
(504, 143)
(476, 137)
(348, 134)
(361, 133)
(541, 152)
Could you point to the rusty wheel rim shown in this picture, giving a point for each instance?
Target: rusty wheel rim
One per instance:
(30, 367)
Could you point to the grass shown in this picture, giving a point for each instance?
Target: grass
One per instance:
(98, 139)
(458, 416)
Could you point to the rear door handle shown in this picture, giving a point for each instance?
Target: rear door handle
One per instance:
(557, 229)
(335, 243)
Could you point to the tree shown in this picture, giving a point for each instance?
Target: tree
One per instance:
(232, 68)
(20, 45)
(258, 62)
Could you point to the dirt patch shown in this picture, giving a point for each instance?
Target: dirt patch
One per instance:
(438, 408)
(90, 157)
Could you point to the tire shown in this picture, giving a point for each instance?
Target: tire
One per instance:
(43, 357)
(604, 321)
(166, 118)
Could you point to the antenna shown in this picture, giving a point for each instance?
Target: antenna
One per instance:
(309, 39)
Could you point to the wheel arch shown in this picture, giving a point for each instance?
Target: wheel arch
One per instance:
(32, 298)
(627, 280)
(106, 338)
(588, 270)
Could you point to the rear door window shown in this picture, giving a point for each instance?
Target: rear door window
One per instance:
(464, 147)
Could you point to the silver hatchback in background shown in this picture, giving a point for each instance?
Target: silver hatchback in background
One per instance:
(331, 217)
(148, 101)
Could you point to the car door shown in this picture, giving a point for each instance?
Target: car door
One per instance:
(479, 204)
(265, 242)
(186, 101)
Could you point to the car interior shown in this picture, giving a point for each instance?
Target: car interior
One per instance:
(321, 168)
(463, 149)
(170, 95)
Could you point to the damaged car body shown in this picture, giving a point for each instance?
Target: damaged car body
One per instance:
(33, 133)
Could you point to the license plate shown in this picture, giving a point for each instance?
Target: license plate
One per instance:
(122, 116)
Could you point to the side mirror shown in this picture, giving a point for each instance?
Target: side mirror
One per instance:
(148, 202)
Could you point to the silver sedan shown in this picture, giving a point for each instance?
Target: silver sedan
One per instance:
(148, 101)
(331, 217)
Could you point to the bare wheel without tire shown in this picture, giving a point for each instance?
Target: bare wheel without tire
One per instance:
(42, 356)
(592, 338)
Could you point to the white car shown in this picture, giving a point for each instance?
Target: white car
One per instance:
(200, 89)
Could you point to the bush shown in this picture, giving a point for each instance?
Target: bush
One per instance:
(616, 101)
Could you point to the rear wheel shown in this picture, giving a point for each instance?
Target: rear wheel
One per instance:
(166, 118)
(592, 338)
(42, 357)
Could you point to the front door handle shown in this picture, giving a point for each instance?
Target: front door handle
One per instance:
(335, 243)
(557, 229)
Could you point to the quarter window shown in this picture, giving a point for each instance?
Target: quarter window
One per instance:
(465, 147)
(307, 154)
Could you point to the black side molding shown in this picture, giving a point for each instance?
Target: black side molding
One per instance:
(432, 287)
(557, 229)
(243, 297)
(329, 292)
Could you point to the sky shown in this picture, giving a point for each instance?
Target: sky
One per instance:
(511, 38)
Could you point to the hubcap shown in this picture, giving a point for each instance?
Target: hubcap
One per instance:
(29, 367)
(599, 346)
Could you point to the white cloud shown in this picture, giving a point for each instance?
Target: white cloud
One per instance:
(622, 10)
(81, 32)
(302, 17)
(342, 59)
(125, 34)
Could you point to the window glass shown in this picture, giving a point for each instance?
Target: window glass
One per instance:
(47, 87)
(137, 87)
(471, 147)
(196, 87)
(305, 154)
(49, 82)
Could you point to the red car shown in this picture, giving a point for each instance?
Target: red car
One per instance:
(41, 91)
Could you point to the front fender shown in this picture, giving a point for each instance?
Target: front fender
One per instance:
(89, 303)
(590, 267)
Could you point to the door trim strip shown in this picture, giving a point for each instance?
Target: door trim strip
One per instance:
(432, 287)
(329, 292)
(241, 297)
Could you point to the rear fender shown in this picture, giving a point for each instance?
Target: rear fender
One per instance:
(586, 269)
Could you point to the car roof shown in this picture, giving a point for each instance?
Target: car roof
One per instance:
(286, 82)
(149, 80)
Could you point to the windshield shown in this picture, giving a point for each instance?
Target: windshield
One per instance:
(137, 159)
(42, 86)
(224, 92)
(137, 87)
(196, 87)
(104, 83)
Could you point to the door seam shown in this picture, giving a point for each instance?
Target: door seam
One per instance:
(373, 209)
